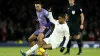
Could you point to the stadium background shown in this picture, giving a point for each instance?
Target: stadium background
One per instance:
(18, 20)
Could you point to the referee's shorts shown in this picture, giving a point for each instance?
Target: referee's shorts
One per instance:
(74, 29)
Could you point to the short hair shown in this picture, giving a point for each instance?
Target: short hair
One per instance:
(62, 15)
(38, 2)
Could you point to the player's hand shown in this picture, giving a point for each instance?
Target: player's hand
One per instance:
(43, 28)
(50, 10)
(62, 49)
(81, 27)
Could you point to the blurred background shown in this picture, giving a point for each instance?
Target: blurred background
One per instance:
(18, 18)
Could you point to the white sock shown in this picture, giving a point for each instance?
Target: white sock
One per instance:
(32, 49)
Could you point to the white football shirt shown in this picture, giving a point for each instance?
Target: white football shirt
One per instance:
(59, 31)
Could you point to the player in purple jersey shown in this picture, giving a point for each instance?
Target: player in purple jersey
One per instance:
(44, 24)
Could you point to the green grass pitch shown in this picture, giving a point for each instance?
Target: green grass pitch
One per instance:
(14, 51)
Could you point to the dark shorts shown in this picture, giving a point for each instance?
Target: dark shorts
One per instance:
(74, 29)
(46, 32)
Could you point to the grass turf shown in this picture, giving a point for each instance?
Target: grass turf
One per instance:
(14, 51)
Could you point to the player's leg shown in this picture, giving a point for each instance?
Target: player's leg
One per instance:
(33, 36)
(30, 51)
(31, 39)
(47, 46)
(43, 35)
(40, 42)
(36, 46)
(40, 39)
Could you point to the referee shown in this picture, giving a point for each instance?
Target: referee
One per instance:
(75, 23)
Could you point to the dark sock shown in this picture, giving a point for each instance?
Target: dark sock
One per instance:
(68, 46)
(79, 45)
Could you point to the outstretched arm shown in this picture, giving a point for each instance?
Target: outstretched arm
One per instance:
(50, 16)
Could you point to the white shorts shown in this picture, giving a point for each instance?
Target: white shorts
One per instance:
(55, 44)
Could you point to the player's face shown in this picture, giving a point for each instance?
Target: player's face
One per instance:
(37, 7)
(61, 20)
(71, 1)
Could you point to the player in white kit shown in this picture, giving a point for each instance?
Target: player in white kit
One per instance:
(61, 29)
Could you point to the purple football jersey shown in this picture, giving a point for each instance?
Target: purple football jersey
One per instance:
(42, 17)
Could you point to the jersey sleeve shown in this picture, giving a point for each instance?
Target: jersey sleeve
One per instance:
(50, 17)
(66, 36)
(80, 10)
(48, 24)
(46, 13)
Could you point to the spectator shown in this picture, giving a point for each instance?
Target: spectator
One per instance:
(97, 34)
(91, 36)
(3, 31)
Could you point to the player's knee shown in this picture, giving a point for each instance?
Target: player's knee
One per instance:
(41, 36)
(39, 39)
(40, 44)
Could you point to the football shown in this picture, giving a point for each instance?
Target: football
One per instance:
(40, 52)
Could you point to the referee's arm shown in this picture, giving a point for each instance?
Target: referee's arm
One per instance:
(82, 19)
(50, 16)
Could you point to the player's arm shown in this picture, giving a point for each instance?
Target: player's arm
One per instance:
(46, 13)
(66, 37)
(50, 16)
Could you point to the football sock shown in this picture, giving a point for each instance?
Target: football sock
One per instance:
(79, 45)
(32, 49)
